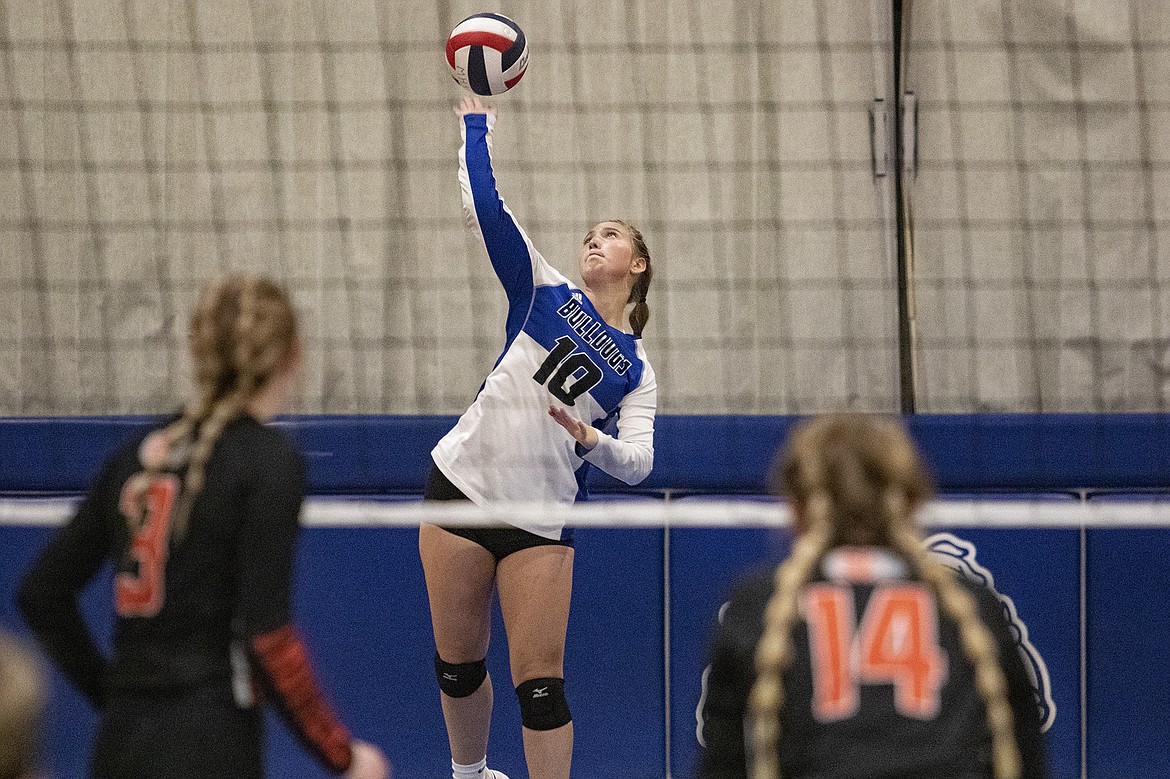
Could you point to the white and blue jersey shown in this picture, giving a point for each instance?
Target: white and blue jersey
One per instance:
(558, 351)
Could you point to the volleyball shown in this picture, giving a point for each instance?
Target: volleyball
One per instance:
(487, 54)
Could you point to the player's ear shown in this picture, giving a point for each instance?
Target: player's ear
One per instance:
(295, 358)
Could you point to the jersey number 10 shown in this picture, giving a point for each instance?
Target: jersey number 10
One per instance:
(568, 363)
(896, 643)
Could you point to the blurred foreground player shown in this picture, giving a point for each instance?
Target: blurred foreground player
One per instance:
(859, 656)
(22, 708)
(200, 517)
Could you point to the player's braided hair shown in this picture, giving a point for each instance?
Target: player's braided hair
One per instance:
(640, 314)
(242, 330)
(978, 644)
(858, 479)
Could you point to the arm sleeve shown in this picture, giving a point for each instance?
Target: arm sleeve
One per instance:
(729, 683)
(629, 456)
(485, 212)
(263, 611)
(47, 595)
(1021, 696)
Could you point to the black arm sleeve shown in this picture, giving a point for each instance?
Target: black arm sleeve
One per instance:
(729, 683)
(1021, 696)
(47, 595)
(263, 611)
(267, 544)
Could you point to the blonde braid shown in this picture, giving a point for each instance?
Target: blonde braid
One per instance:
(159, 449)
(243, 330)
(977, 641)
(775, 649)
(227, 408)
(24, 690)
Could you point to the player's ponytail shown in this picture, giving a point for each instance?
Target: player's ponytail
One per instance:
(640, 314)
(775, 650)
(978, 644)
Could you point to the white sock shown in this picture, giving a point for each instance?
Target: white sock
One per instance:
(473, 771)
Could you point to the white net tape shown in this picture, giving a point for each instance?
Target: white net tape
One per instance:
(681, 513)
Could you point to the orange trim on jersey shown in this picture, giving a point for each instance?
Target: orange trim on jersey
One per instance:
(862, 565)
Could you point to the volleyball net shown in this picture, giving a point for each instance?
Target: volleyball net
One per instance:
(1136, 511)
(146, 147)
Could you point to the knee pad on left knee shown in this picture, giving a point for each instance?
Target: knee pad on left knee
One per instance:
(543, 705)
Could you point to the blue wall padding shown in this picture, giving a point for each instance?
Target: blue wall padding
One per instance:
(725, 454)
(1128, 684)
(361, 605)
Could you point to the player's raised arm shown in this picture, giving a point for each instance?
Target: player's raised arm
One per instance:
(484, 211)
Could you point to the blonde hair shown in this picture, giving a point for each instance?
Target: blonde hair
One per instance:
(242, 331)
(857, 480)
(22, 708)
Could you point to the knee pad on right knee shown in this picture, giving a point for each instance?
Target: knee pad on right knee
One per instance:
(458, 680)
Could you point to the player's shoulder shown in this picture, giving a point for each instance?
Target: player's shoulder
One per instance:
(750, 594)
(126, 457)
(990, 607)
(266, 445)
(643, 357)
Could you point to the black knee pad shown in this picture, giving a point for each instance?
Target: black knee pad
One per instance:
(542, 704)
(459, 679)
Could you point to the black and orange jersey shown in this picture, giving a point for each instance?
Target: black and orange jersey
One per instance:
(879, 686)
(213, 607)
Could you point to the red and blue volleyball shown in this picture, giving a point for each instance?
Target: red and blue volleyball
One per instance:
(487, 53)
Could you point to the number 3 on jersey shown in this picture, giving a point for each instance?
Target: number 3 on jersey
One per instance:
(140, 593)
(896, 643)
(570, 362)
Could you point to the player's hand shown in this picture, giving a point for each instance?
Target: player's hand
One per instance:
(368, 762)
(471, 104)
(586, 435)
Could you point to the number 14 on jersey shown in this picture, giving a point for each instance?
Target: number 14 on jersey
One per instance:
(895, 642)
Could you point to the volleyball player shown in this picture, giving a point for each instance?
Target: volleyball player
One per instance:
(200, 518)
(860, 656)
(568, 368)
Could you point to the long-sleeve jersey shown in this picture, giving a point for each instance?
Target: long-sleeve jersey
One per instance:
(879, 686)
(213, 608)
(558, 351)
